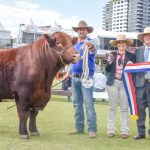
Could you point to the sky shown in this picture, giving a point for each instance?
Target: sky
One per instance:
(46, 12)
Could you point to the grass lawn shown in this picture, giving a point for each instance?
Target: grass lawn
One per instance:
(54, 124)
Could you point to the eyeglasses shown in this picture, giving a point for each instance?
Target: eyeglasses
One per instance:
(120, 60)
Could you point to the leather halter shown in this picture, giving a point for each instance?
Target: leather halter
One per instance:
(60, 54)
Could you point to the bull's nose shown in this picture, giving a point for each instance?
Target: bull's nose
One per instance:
(76, 57)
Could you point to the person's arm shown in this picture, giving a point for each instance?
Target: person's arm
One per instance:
(108, 67)
(91, 46)
(132, 59)
(69, 72)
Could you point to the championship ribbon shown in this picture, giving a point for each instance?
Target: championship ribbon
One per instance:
(129, 87)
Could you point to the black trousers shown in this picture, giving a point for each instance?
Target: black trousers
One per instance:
(143, 101)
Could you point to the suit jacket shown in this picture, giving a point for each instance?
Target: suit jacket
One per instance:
(139, 78)
(111, 69)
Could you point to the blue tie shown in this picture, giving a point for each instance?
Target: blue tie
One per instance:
(146, 59)
(146, 54)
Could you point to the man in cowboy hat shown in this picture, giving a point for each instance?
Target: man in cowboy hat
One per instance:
(142, 83)
(116, 92)
(80, 92)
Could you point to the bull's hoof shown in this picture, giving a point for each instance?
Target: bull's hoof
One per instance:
(24, 136)
(35, 133)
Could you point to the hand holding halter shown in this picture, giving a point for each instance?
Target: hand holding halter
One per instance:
(90, 46)
(87, 82)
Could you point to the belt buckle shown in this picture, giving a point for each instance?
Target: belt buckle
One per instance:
(77, 75)
(118, 79)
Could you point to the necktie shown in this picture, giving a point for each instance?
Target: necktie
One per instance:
(146, 54)
(146, 59)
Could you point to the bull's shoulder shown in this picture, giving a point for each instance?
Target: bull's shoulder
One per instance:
(7, 56)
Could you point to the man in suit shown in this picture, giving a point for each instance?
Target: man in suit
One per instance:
(142, 83)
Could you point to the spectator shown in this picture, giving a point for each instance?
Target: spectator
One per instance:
(116, 92)
(142, 84)
(99, 83)
(66, 85)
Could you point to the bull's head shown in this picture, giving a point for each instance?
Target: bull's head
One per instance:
(62, 43)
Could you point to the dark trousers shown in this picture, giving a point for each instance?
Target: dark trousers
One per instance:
(66, 84)
(143, 101)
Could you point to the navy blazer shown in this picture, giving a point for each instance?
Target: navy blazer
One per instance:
(139, 78)
(111, 69)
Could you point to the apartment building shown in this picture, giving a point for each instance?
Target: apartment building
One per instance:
(126, 15)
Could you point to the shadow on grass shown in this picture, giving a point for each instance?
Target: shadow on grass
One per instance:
(64, 99)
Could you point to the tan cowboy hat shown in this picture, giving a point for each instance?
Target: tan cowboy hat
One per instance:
(121, 38)
(83, 24)
(141, 35)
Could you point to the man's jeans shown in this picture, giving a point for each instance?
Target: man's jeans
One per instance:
(80, 94)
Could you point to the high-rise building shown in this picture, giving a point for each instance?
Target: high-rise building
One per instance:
(138, 15)
(107, 24)
(126, 15)
(5, 38)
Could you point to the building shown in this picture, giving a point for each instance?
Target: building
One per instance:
(139, 15)
(120, 16)
(126, 15)
(5, 38)
(107, 24)
(28, 33)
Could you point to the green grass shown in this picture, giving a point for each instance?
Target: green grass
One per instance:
(54, 124)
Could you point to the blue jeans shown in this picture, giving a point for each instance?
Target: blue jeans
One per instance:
(80, 94)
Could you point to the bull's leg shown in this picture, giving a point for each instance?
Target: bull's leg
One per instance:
(23, 113)
(32, 123)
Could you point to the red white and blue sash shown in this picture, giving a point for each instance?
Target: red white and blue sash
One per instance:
(129, 87)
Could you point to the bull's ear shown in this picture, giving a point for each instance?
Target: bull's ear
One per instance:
(50, 39)
(74, 40)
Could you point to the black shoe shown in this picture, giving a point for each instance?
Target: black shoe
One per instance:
(149, 132)
(139, 136)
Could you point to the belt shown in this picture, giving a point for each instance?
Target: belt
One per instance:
(147, 80)
(120, 79)
(77, 75)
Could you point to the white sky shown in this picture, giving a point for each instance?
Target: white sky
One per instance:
(13, 13)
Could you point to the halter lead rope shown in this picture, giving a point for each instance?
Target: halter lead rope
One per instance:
(85, 67)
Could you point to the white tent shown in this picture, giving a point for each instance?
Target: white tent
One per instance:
(1, 26)
(110, 34)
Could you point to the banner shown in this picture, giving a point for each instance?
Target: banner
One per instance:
(129, 87)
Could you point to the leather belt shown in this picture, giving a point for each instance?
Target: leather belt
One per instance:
(147, 80)
(120, 79)
(77, 75)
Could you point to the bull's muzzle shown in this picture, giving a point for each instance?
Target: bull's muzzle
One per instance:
(75, 57)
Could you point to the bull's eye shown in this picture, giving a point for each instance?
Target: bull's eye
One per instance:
(58, 43)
